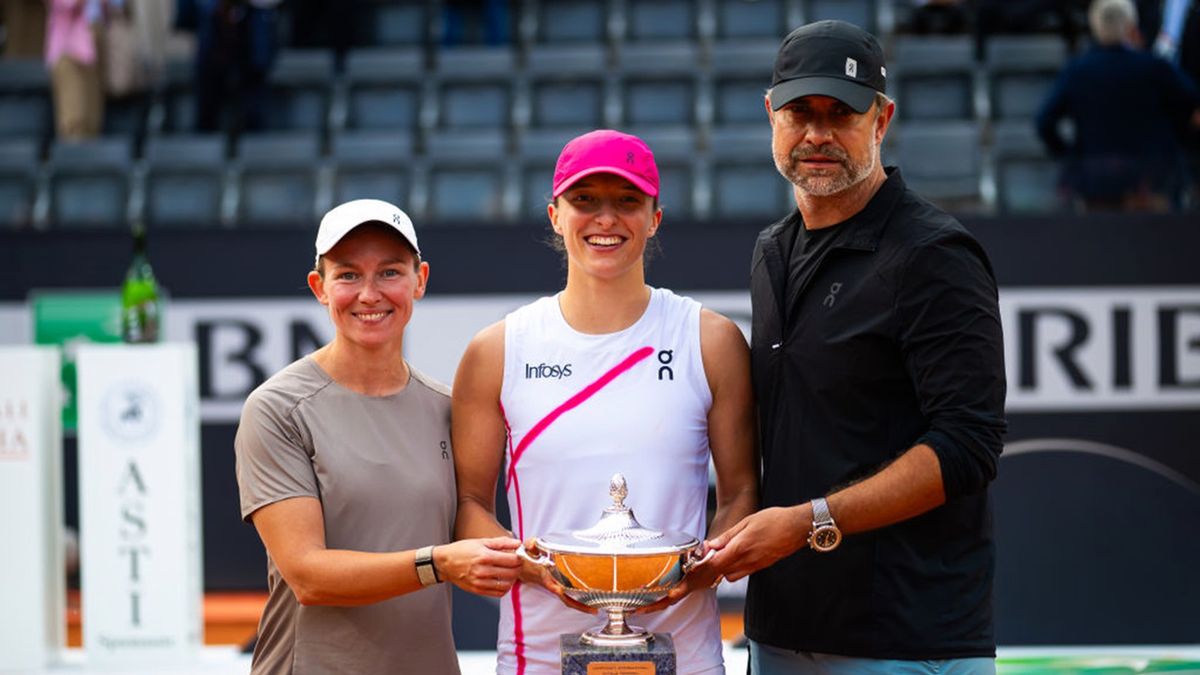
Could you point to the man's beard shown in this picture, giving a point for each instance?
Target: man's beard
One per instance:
(832, 183)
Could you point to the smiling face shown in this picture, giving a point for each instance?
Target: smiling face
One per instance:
(371, 279)
(605, 222)
(823, 147)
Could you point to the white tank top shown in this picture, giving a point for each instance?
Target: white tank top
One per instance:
(580, 408)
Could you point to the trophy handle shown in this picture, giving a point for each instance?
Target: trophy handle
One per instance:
(697, 557)
(542, 560)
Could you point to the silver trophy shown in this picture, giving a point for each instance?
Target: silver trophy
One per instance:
(617, 566)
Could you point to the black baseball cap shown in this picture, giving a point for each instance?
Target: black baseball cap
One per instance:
(829, 58)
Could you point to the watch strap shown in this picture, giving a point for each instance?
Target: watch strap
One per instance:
(426, 570)
(821, 515)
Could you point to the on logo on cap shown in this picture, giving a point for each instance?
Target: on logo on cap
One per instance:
(851, 67)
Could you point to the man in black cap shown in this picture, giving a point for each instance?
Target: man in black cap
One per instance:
(878, 367)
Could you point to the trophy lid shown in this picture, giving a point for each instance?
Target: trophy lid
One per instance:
(618, 530)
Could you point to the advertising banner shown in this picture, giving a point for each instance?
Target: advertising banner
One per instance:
(139, 503)
(32, 573)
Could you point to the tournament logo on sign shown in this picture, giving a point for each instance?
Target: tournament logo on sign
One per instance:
(129, 411)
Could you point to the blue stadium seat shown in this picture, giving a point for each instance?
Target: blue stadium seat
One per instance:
(475, 87)
(861, 13)
(740, 75)
(89, 183)
(659, 84)
(383, 90)
(1021, 70)
(565, 86)
(933, 77)
(752, 19)
(175, 104)
(300, 89)
(19, 164)
(537, 150)
(184, 180)
(127, 116)
(675, 154)
(744, 181)
(1026, 177)
(375, 164)
(941, 160)
(25, 103)
(277, 179)
(661, 20)
(570, 21)
(393, 23)
(468, 176)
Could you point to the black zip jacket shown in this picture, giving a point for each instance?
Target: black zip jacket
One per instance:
(893, 339)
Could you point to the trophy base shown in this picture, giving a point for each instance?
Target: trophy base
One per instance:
(654, 657)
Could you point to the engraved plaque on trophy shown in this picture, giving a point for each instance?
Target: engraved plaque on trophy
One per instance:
(617, 566)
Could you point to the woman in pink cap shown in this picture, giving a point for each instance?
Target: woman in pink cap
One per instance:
(608, 375)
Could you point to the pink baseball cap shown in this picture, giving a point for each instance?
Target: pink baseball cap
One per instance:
(606, 151)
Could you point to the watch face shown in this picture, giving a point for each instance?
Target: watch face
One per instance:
(826, 538)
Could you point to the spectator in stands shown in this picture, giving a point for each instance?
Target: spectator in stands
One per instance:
(24, 23)
(325, 23)
(1128, 108)
(648, 383)
(878, 365)
(235, 47)
(344, 467)
(72, 54)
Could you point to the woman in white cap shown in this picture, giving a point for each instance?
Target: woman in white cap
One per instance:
(609, 375)
(345, 468)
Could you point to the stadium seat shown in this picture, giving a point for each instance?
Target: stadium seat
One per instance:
(659, 85)
(468, 176)
(933, 77)
(174, 107)
(537, 150)
(861, 13)
(277, 179)
(744, 181)
(661, 21)
(474, 87)
(300, 89)
(752, 19)
(184, 180)
(89, 183)
(19, 164)
(563, 86)
(376, 164)
(1021, 70)
(383, 91)
(568, 21)
(675, 154)
(940, 160)
(740, 75)
(127, 116)
(393, 23)
(1026, 177)
(25, 104)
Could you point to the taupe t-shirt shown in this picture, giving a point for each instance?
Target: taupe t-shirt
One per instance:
(384, 472)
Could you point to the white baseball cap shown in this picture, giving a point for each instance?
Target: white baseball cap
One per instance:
(342, 218)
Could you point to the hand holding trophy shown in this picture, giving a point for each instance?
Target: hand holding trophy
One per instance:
(617, 566)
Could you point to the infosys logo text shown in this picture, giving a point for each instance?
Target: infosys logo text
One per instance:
(546, 370)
